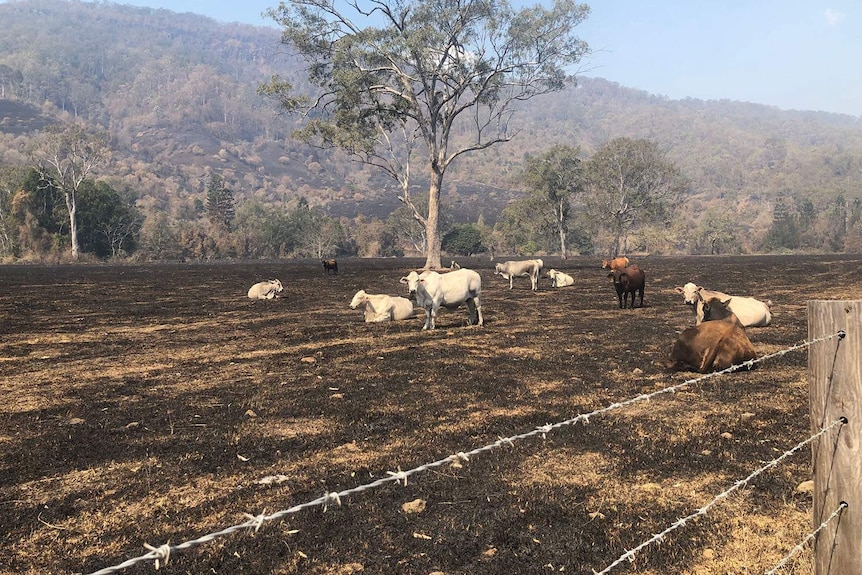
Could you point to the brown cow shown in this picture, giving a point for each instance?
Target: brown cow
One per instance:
(617, 263)
(712, 345)
(628, 281)
(330, 265)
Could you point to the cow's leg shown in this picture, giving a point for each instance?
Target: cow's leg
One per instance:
(478, 304)
(434, 310)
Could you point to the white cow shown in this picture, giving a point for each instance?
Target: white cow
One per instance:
(265, 290)
(529, 268)
(380, 307)
(750, 312)
(452, 289)
(559, 279)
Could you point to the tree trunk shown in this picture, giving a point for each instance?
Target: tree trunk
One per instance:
(433, 240)
(561, 228)
(72, 206)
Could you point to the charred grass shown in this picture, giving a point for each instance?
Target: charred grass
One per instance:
(145, 404)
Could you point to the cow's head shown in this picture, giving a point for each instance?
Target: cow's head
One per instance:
(276, 285)
(712, 309)
(689, 292)
(411, 280)
(360, 298)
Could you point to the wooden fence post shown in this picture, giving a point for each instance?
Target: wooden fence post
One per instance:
(835, 391)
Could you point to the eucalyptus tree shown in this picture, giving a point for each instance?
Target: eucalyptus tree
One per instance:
(553, 179)
(397, 79)
(629, 182)
(66, 155)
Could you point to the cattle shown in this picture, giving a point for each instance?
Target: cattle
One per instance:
(525, 268)
(627, 281)
(265, 290)
(616, 263)
(433, 290)
(712, 345)
(559, 279)
(330, 266)
(380, 307)
(750, 312)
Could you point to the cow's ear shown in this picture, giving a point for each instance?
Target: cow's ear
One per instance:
(610, 275)
(678, 289)
(403, 280)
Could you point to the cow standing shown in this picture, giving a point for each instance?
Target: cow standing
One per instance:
(628, 281)
(526, 268)
(433, 290)
(330, 266)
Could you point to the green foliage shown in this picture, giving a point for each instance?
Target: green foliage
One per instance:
(631, 181)
(784, 232)
(553, 179)
(221, 207)
(464, 240)
(716, 234)
(108, 221)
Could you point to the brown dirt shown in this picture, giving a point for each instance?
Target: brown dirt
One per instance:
(144, 404)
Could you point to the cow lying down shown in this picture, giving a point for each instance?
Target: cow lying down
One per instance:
(712, 345)
(265, 290)
(559, 279)
(380, 307)
(750, 312)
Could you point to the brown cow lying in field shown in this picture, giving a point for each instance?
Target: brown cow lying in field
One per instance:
(628, 281)
(712, 345)
(617, 263)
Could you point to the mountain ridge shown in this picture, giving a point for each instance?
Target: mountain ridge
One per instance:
(176, 92)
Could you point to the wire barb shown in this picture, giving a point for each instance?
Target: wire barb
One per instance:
(162, 552)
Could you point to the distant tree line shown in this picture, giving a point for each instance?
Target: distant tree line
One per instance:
(626, 197)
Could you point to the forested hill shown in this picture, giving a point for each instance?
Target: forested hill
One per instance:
(177, 94)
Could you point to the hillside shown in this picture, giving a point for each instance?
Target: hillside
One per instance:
(177, 94)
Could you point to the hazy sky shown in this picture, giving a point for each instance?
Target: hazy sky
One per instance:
(793, 54)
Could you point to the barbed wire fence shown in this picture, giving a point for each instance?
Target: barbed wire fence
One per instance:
(161, 554)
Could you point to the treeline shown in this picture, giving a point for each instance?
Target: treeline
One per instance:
(626, 197)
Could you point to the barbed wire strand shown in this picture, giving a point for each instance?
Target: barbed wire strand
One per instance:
(629, 555)
(808, 538)
(163, 552)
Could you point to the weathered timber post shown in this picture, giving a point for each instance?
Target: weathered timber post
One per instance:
(835, 391)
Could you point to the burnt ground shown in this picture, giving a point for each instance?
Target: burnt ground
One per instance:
(148, 404)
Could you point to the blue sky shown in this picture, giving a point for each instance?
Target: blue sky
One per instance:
(792, 54)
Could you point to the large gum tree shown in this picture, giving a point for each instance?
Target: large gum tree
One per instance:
(393, 80)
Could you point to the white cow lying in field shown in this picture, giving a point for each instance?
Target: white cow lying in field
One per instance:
(559, 279)
(530, 268)
(750, 312)
(452, 289)
(265, 290)
(380, 307)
